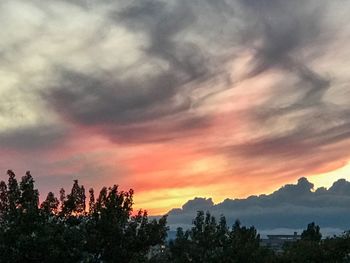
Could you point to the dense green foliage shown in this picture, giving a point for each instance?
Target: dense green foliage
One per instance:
(106, 230)
(66, 231)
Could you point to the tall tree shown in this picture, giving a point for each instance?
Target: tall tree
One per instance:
(308, 249)
(211, 242)
(74, 203)
(50, 205)
(312, 233)
(29, 197)
(115, 235)
(13, 192)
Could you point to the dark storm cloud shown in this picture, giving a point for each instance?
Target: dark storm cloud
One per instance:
(126, 110)
(292, 206)
(32, 138)
(92, 100)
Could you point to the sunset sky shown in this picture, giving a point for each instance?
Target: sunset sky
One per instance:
(175, 98)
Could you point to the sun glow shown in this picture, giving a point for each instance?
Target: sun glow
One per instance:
(327, 179)
(161, 201)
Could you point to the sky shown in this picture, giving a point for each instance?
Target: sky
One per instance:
(176, 99)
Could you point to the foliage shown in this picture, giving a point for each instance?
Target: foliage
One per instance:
(312, 233)
(64, 231)
(209, 241)
(311, 248)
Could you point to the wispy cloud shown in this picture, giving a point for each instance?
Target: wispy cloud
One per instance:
(244, 82)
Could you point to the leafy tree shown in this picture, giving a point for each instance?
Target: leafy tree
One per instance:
(74, 203)
(50, 205)
(117, 235)
(209, 241)
(308, 249)
(244, 243)
(21, 225)
(180, 248)
(303, 251)
(29, 197)
(13, 192)
(50, 232)
(337, 248)
(312, 233)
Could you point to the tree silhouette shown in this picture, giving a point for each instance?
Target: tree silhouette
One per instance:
(63, 231)
(209, 241)
(13, 193)
(50, 205)
(308, 249)
(312, 233)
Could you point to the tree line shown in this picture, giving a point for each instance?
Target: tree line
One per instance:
(67, 229)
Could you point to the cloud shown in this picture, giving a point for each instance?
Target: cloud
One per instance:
(277, 37)
(94, 100)
(198, 204)
(259, 84)
(180, 58)
(32, 138)
(121, 98)
(291, 206)
(166, 56)
(300, 118)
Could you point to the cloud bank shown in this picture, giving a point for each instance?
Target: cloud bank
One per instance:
(292, 206)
